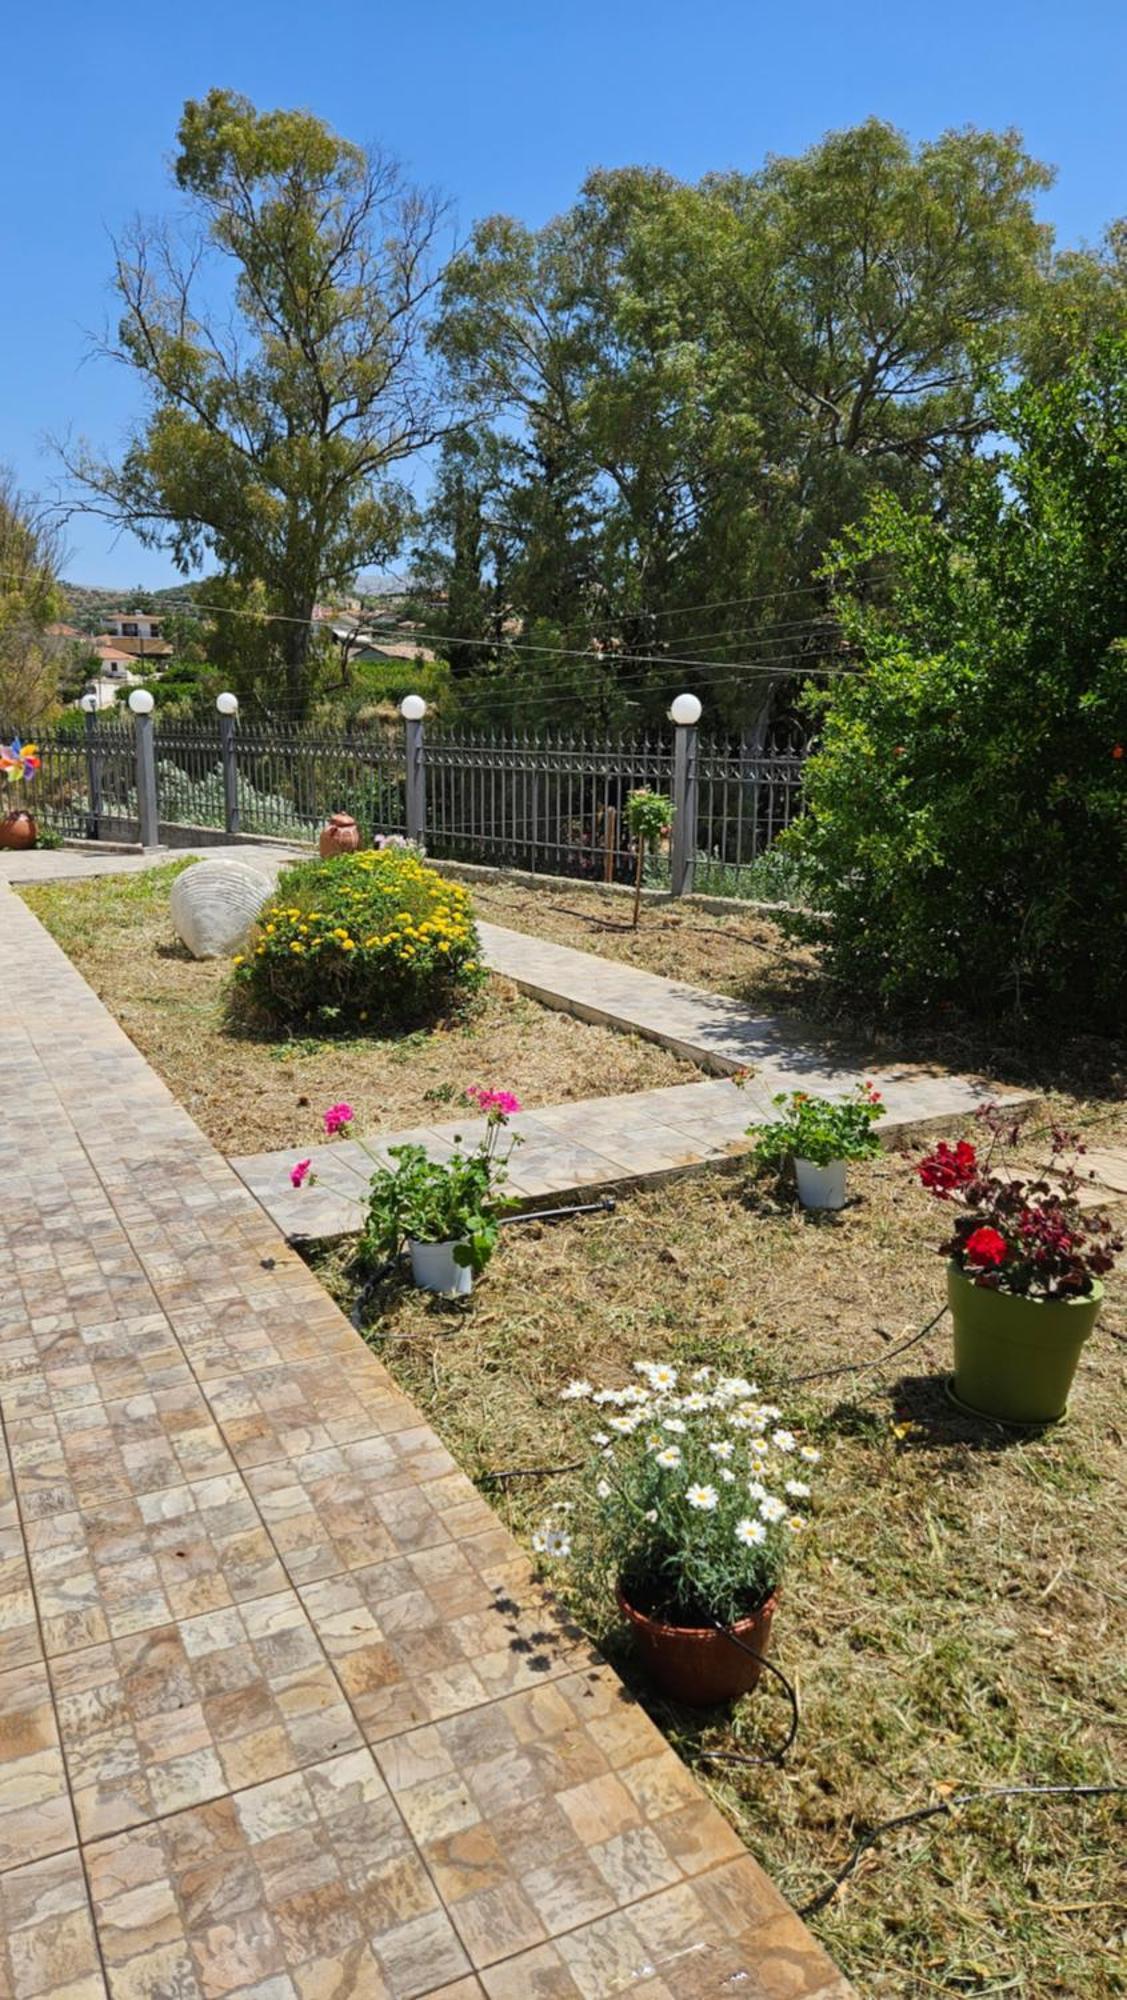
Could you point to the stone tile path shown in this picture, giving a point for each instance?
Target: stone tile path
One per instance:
(581, 1150)
(599, 1144)
(282, 1712)
(69, 864)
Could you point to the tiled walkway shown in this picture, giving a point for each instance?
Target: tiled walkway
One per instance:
(576, 1151)
(282, 1713)
(599, 1144)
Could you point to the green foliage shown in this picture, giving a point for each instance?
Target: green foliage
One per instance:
(370, 940)
(438, 1201)
(649, 815)
(29, 600)
(383, 684)
(684, 393)
(694, 1496)
(817, 1130)
(966, 812)
(273, 446)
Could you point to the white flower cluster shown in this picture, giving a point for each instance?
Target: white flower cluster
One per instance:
(720, 1418)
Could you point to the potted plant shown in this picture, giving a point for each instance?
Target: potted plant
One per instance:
(649, 816)
(819, 1137)
(18, 762)
(694, 1497)
(445, 1213)
(1024, 1271)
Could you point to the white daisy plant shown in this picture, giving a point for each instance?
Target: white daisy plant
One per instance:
(692, 1507)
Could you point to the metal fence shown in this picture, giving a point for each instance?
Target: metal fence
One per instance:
(86, 787)
(551, 804)
(288, 781)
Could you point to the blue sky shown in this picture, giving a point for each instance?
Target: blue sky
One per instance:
(506, 107)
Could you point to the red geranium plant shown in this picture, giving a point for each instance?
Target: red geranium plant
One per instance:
(1028, 1236)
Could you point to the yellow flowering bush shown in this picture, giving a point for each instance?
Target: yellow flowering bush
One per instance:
(370, 940)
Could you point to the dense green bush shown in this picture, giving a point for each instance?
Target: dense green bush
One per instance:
(371, 940)
(966, 812)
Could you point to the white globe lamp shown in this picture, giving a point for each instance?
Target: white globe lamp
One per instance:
(685, 711)
(89, 702)
(141, 702)
(412, 708)
(227, 704)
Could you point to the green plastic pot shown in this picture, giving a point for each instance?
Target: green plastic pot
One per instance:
(1015, 1357)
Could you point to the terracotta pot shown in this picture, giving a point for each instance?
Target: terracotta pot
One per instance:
(18, 829)
(699, 1665)
(340, 835)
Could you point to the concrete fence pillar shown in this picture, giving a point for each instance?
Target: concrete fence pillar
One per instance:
(141, 704)
(413, 708)
(685, 714)
(228, 707)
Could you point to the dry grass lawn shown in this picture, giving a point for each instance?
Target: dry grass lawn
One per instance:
(253, 1095)
(959, 1616)
(745, 955)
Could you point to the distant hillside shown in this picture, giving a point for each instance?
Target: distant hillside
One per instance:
(87, 603)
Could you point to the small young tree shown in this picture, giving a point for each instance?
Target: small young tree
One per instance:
(649, 815)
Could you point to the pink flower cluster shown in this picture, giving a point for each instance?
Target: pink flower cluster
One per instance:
(300, 1173)
(501, 1103)
(337, 1117)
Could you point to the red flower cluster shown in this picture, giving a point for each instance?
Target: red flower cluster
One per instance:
(986, 1247)
(1015, 1235)
(949, 1169)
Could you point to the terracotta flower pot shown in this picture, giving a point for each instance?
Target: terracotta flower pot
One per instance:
(699, 1665)
(18, 829)
(340, 835)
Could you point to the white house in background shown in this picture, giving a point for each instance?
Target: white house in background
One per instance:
(137, 634)
(133, 625)
(115, 670)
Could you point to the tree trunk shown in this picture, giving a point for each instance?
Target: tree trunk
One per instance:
(296, 639)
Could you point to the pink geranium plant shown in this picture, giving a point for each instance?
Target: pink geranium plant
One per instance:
(457, 1200)
(1028, 1236)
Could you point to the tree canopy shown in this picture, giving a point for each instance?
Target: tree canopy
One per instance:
(681, 395)
(29, 601)
(278, 339)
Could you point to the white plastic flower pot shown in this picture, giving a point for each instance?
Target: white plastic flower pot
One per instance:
(821, 1187)
(434, 1270)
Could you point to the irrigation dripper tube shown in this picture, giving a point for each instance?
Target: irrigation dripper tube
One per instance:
(606, 1206)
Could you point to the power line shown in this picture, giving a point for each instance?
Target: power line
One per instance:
(195, 605)
(714, 675)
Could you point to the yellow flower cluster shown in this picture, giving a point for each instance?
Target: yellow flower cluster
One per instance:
(440, 924)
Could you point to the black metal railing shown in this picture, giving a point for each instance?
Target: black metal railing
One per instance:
(552, 804)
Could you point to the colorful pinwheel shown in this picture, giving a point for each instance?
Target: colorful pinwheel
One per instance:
(18, 760)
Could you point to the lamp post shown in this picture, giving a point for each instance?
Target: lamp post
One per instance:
(685, 714)
(228, 707)
(413, 708)
(89, 707)
(141, 704)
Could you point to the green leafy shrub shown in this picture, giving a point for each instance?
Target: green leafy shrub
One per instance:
(375, 940)
(649, 815)
(818, 1130)
(965, 828)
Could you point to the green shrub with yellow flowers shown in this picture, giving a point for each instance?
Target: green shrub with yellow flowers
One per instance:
(361, 942)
